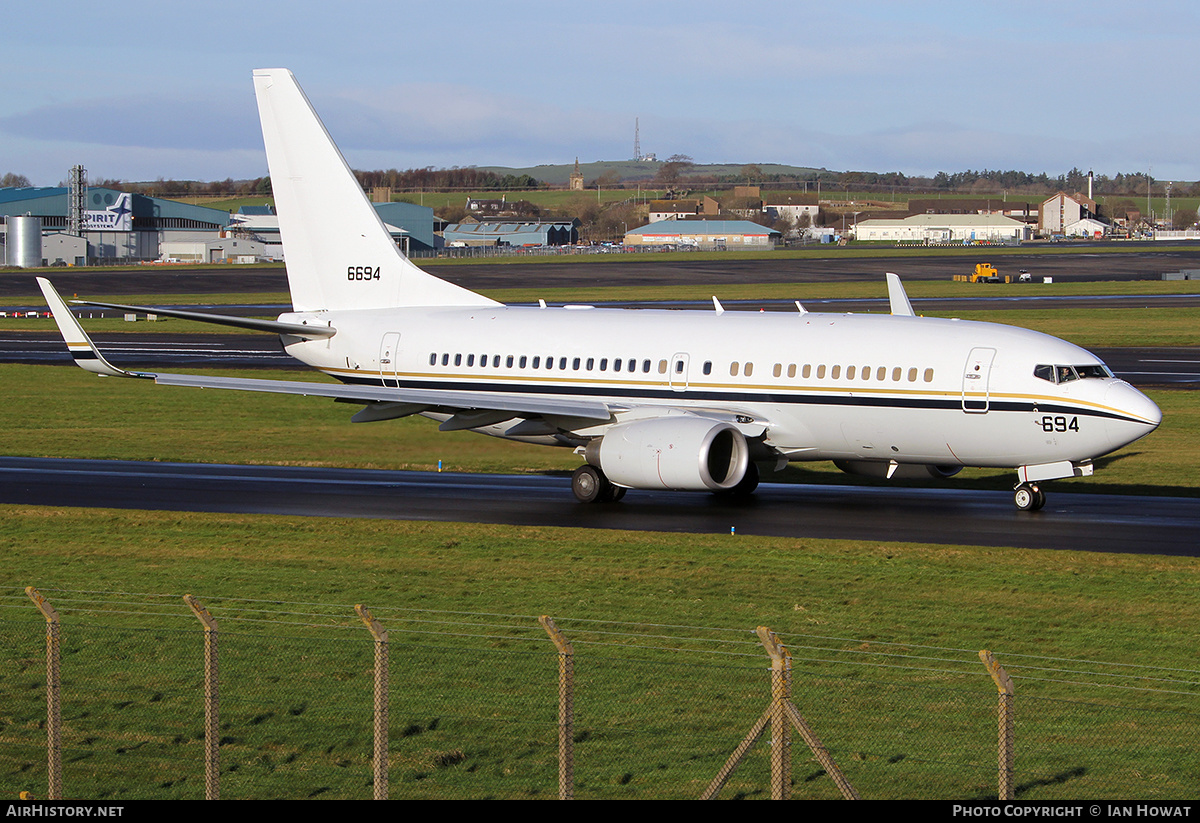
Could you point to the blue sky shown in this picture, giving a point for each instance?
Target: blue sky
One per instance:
(143, 90)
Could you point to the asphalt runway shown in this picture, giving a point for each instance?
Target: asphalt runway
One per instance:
(1073, 521)
(1079, 264)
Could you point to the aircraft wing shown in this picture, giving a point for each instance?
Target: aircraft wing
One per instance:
(400, 400)
(421, 399)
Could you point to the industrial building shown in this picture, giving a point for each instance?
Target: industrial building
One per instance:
(112, 226)
(553, 233)
(944, 228)
(704, 234)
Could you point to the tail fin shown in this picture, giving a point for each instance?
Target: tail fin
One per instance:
(339, 253)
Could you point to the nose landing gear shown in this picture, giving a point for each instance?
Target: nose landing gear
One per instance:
(1029, 497)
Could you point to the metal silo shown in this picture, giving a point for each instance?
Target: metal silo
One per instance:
(24, 241)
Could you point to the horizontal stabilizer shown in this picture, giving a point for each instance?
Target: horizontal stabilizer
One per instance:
(294, 329)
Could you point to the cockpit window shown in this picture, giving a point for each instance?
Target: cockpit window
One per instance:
(1065, 374)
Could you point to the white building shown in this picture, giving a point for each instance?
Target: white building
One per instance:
(1063, 210)
(944, 228)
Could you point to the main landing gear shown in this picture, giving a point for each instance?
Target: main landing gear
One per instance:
(1029, 497)
(591, 486)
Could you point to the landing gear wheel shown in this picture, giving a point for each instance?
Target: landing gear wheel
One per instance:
(744, 487)
(588, 484)
(591, 486)
(1029, 498)
(613, 492)
(1040, 499)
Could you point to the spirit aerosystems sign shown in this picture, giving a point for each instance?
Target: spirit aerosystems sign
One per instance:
(117, 217)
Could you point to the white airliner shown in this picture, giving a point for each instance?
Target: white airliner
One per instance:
(692, 400)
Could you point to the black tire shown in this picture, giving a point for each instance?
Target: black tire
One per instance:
(612, 492)
(744, 487)
(588, 483)
(1025, 497)
(1039, 498)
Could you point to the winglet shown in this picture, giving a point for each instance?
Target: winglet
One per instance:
(897, 297)
(86, 355)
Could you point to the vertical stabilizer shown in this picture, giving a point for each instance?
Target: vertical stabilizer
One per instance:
(339, 253)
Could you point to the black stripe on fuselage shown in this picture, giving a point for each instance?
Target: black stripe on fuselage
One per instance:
(872, 401)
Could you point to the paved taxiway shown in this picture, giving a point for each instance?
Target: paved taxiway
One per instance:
(1091, 522)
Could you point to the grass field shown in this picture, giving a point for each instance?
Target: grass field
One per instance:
(881, 633)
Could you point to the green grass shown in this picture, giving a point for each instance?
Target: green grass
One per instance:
(473, 692)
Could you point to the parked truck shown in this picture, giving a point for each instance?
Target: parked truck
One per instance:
(984, 273)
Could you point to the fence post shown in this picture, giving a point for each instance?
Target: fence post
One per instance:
(53, 696)
(1004, 713)
(212, 732)
(781, 761)
(382, 725)
(566, 709)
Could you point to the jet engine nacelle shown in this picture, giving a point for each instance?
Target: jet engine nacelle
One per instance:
(674, 452)
(905, 471)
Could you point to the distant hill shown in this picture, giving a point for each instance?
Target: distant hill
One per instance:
(632, 171)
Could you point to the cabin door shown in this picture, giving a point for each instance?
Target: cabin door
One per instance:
(389, 356)
(976, 376)
(677, 371)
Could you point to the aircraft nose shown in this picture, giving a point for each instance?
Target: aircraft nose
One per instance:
(1139, 415)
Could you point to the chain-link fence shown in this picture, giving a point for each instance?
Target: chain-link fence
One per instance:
(503, 706)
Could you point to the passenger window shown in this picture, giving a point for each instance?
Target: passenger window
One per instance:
(645, 366)
(591, 362)
(445, 359)
(458, 359)
(807, 373)
(631, 365)
(708, 367)
(603, 364)
(575, 364)
(616, 364)
(820, 372)
(791, 369)
(849, 372)
(733, 369)
(433, 358)
(537, 362)
(509, 361)
(562, 363)
(881, 373)
(496, 362)
(929, 375)
(835, 372)
(748, 369)
(896, 374)
(778, 370)
(866, 372)
(912, 375)
(470, 360)
(678, 366)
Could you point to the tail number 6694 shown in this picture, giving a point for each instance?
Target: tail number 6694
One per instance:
(362, 273)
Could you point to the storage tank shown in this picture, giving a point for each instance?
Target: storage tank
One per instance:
(24, 241)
